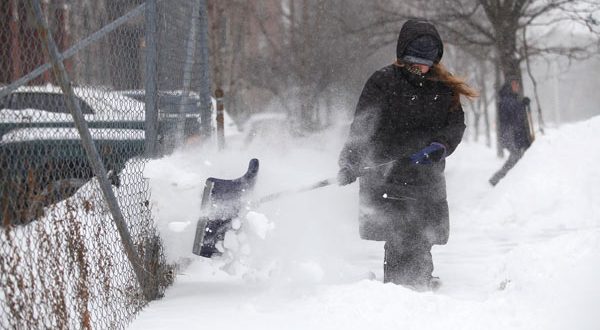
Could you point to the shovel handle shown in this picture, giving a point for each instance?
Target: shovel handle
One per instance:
(316, 185)
(326, 182)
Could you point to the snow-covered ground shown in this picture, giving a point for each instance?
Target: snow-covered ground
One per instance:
(522, 255)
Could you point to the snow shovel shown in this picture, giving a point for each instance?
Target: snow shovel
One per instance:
(222, 201)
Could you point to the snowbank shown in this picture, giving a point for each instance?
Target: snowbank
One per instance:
(556, 186)
(522, 255)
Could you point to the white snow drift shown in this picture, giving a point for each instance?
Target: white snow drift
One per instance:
(522, 255)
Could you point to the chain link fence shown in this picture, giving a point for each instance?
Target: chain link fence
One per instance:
(78, 246)
(183, 78)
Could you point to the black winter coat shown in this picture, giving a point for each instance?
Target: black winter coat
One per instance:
(398, 114)
(396, 117)
(513, 122)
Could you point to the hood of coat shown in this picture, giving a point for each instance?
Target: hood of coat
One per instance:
(413, 29)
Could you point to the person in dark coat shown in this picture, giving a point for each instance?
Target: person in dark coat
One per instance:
(514, 127)
(407, 121)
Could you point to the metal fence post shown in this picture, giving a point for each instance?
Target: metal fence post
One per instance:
(205, 83)
(190, 53)
(151, 79)
(220, 119)
(91, 151)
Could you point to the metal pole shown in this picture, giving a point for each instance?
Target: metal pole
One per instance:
(205, 83)
(73, 50)
(220, 119)
(151, 93)
(88, 144)
(187, 73)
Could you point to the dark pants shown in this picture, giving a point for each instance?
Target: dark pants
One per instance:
(512, 160)
(408, 262)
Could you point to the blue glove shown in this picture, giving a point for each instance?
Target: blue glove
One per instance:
(432, 153)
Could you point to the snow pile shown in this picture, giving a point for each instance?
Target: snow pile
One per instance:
(555, 186)
(555, 281)
(176, 191)
(521, 255)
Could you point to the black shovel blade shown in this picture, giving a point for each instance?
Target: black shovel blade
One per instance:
(212, 232)
(222, 201)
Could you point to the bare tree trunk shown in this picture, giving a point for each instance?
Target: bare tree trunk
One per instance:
(556, 83)
(484, 99)
(15, 44)
(306, 104)
(497, 85)
(476, 115)
(535, 90)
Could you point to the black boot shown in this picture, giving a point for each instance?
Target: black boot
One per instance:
(434, 283)
(392, 268)
(409, 264)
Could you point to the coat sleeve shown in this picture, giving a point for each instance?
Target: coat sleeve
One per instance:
(363, 125)
(451, 134)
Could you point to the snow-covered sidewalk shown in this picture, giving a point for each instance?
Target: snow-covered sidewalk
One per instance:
(522, 255)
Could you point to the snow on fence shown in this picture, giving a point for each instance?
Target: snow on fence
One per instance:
(89, 91)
